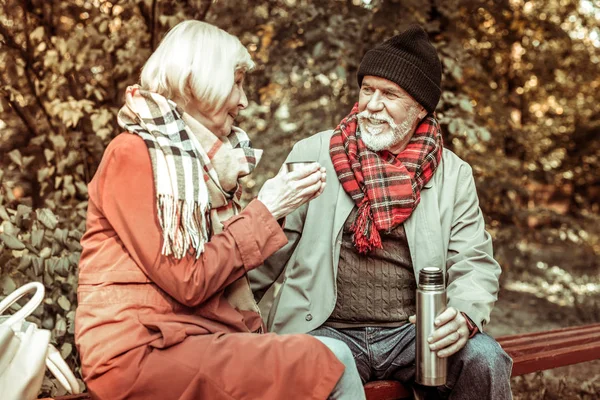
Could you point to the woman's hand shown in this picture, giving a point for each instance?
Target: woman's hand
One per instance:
(287, 191)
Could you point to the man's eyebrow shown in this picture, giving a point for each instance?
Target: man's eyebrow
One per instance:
(392, 89)
(386, 88)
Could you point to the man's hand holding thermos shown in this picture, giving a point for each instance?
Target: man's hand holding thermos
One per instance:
(441, 331)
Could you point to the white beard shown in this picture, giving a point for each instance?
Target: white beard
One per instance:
(376, 137)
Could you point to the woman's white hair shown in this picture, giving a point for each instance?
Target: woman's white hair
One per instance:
(196, 60)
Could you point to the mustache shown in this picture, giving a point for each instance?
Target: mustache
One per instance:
(380, 117)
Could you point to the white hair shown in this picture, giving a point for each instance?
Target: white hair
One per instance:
(196, 60)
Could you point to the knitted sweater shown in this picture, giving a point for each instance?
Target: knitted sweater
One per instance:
(377, 288)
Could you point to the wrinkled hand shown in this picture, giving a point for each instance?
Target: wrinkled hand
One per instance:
(286, 192)
(451, 333)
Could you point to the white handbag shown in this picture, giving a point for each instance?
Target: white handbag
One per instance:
(25, 350)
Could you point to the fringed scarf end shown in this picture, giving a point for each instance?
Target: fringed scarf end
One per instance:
(184, 224)
(366, 236)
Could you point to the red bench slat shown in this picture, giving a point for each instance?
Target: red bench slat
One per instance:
(548, 345)
(386, 390)
(513, 340)
(83, 396)
(555, 358)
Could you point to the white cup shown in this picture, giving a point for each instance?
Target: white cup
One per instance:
(295, 165)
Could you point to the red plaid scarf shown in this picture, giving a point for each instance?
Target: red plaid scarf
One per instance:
(386, 187)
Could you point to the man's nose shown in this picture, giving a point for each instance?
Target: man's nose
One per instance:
(375, 102)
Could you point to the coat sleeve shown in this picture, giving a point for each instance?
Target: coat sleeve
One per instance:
(472, 271)
(124, 192)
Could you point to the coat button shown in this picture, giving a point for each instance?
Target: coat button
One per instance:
(309, 317)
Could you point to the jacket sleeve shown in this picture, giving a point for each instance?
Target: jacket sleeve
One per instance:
(262, 278)
(125, 193)
(472, 271)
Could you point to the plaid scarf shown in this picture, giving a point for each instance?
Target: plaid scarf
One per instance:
(195, 172)
(385, 187)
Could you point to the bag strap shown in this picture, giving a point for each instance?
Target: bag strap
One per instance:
(28, 308)
(61, 370)
(54, 360)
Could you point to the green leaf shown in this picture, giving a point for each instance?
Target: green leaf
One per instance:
(484, 134)
(38, 266)
(22, 212)
(68, 185)
(74, 258)
(49, 155)
(62, 267)
(466, 105)
(46, 252)
(75, 234)
(46, 217)
(8, 227)
(60, 328)
(48, 322)
(16, 157)
(71, 322)
(4, 214)
(38, 140)
(8, 285)
(56, 248)
(318, 50)
(73, 245)
(60, 235)
(24, 263)
(37, 34)
(66, 349)
(58, 141)
(11, 242)
(454, 127)
(37, 237)
(81, 188)
(27, 161)
(64, 303)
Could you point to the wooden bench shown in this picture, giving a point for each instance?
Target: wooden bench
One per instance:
(531, 352)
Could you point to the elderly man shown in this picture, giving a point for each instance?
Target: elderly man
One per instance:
(396, 202)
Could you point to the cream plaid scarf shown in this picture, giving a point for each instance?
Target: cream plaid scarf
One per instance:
(195, 172)
(196, 177)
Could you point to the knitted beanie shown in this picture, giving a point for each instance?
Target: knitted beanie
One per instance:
(409, 60)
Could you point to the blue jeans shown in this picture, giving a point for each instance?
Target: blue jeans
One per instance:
(349, 387)
(480, 370)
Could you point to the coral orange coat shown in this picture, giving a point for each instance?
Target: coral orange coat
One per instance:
(148, 326)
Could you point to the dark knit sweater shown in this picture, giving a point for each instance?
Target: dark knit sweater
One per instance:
(376, 289)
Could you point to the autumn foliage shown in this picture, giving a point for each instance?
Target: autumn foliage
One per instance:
(521, 103)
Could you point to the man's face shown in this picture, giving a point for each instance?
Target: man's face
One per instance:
(388, 115)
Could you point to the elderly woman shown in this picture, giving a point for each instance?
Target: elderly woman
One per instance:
(165, 310)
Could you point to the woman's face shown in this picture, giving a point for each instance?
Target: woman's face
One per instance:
(220, 121)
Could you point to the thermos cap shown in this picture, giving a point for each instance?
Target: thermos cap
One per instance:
(431, 276)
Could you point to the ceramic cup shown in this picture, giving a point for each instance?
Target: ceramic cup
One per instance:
(294, 165)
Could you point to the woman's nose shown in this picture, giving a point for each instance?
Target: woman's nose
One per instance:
(243, 103)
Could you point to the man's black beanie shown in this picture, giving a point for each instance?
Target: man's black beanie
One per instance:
(410, 61)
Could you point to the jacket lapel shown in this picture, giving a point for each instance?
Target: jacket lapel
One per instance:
(424, 234)
(343, 207)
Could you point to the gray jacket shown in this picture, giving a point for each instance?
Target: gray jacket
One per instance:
(445, 230)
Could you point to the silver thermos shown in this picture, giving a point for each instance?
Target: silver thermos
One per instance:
(431, 301)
